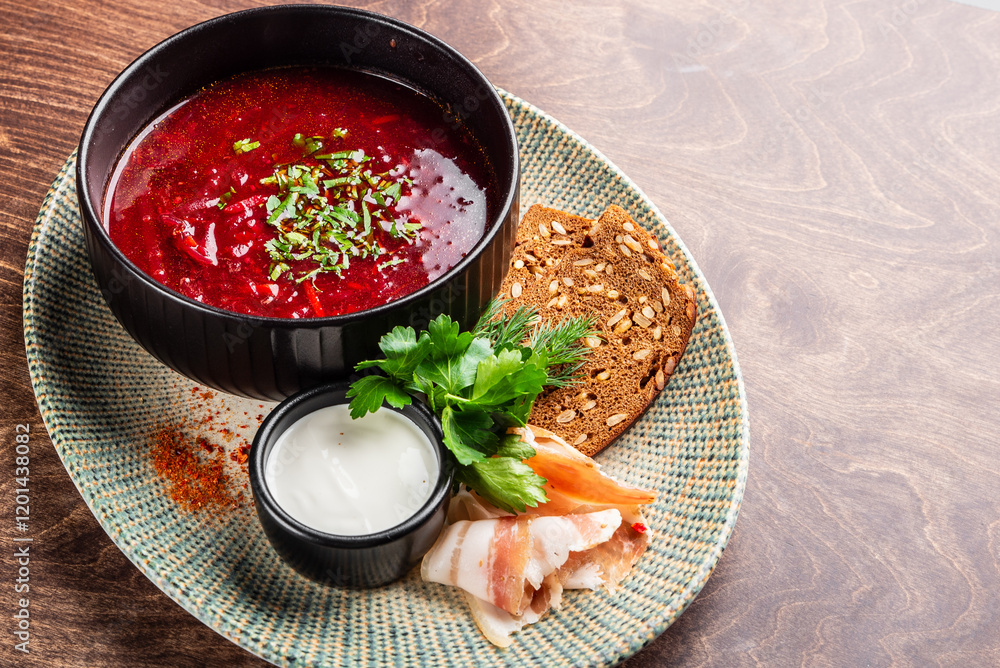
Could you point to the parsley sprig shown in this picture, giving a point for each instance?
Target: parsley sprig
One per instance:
(329, 209)
(479, 383)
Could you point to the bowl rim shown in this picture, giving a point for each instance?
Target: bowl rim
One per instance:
(93, 220)
(281, 419)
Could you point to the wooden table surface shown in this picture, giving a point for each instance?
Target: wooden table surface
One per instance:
(834, 168)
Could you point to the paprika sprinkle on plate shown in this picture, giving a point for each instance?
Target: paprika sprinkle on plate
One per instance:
(194, 481)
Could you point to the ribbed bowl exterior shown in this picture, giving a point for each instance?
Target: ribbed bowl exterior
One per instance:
(272, 358)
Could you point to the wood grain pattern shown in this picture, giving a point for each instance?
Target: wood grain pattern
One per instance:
(833, 166)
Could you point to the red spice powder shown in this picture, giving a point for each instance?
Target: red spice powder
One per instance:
(241, 454)
(195, 482)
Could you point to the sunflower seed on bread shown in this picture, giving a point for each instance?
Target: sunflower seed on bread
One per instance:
(640, 344)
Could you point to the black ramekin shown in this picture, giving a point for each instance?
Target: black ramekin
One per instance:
(348, 561)
(272, 358)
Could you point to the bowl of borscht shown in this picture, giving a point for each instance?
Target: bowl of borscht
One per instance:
(267, 193)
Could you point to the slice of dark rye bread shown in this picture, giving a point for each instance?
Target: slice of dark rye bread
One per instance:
(565, 265)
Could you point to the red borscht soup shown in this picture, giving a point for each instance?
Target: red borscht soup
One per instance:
(300, 192)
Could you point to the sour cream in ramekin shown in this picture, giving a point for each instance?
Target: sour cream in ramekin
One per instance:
(351, 477)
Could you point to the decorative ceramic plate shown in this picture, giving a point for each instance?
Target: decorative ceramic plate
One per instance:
(102, 398)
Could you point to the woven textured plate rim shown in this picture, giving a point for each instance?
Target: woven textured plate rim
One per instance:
(49, 410)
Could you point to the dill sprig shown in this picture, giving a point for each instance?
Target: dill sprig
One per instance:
(560, 342)
(505, 331)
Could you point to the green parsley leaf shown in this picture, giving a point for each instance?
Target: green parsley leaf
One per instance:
(513, 446)
(392, 192)
(446, 338)
(225, 197)
(368, 393)
(507, 483)
(296, 238)
(505, 377)
(403, 352)
(457, 370)
(467, 434)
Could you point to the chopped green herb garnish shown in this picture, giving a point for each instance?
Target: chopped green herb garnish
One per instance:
(392, 263)
(329, 208)
(479, 383)
(245, 146)
(226, 196)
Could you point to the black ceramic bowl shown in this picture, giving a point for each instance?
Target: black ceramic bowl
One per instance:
(272, 358)
(352, 561)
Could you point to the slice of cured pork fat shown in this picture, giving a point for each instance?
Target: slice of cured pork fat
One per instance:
(514, 568)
